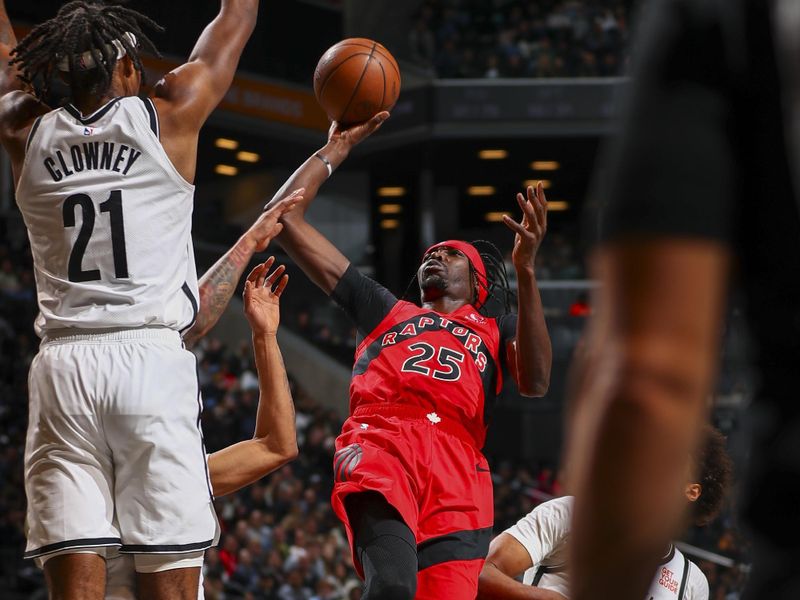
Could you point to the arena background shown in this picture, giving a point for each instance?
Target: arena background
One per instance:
(534, 82)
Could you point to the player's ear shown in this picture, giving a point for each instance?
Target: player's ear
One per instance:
(693, 491)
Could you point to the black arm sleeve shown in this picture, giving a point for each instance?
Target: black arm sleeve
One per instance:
(364, 300)
(507, 324)
(672, 171)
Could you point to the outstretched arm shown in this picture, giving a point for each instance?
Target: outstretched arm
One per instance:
(196, 87)
(530, 355)
(219, 282)
(508, 559)
(274, 441)
(320, 260)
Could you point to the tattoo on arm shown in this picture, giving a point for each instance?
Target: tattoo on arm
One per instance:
(216, 289)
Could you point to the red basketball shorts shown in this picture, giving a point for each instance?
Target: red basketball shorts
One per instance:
(429, 470)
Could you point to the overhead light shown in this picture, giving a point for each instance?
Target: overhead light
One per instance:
(391, 191)
(481, 190)
(390, 209)
(545, 165)
(557, 205)
(493, 154)
(226, 144)
(546, 183)
(390, 224)
(228, 170)
(495, 216)
(248, 157)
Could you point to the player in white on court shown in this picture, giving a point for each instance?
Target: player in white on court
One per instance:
(114, 458)
(536, 546)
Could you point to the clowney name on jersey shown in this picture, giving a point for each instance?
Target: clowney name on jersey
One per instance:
(109, 221)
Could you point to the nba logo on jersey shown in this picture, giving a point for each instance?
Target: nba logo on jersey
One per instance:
(88, 131)
(475, 317)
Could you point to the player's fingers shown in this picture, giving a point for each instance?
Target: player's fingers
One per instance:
(281, 285)
(514, 226)
(254, 274)
(273, 277)
(528, 213)
(292, 199)
(259, 282)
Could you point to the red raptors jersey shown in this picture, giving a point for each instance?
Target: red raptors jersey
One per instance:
(448, 364)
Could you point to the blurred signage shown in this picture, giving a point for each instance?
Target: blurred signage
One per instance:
(256, 98)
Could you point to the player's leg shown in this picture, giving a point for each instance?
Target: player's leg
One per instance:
(76, 576)
(170, 584)
(384, 545)
(162, 492)
(455, 521)
(459, 578)
(68, 473)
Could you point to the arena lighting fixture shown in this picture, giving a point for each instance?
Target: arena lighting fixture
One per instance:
(545, 165)
(481, 190)
(248, 157)
(226, 144)
(390, 224)
(395, 191)
(495, 216)
(390, 209)
(557, 205)
(493, 154)
(228, 170)
(546, 183)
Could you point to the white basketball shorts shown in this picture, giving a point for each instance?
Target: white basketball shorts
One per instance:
(114, 455)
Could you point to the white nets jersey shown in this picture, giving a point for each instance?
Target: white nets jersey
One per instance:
(109, 221)
(544, 533)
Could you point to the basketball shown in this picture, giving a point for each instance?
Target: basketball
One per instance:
(356, 79)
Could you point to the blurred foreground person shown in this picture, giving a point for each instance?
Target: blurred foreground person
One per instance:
(700, 184)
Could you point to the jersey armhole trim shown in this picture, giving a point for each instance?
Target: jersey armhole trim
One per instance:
(32, 132)
(186, 290)
(152, 113)
(686, 567)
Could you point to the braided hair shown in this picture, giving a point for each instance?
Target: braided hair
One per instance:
(500, 296)
(80, 27)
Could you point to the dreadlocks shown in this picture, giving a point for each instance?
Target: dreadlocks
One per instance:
(78, 28)
(496, 286)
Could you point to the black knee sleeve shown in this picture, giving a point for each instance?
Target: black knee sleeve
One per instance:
(386, 548)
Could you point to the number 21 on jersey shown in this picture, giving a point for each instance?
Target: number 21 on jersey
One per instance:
(112, 206)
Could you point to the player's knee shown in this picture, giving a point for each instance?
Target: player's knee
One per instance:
(392, 585)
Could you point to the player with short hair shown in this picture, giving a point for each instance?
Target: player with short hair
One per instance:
(114, 458)
(536, 547)
(411, 484)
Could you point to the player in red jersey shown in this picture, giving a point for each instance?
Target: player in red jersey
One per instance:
(412, 487)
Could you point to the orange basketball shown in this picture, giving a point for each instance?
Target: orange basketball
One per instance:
(356, 79)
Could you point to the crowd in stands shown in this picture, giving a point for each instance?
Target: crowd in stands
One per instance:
(515, 38)
(280, 539)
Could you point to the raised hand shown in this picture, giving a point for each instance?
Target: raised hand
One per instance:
(355, 134)
(262, 293)
(267, 226)
(530, 231)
